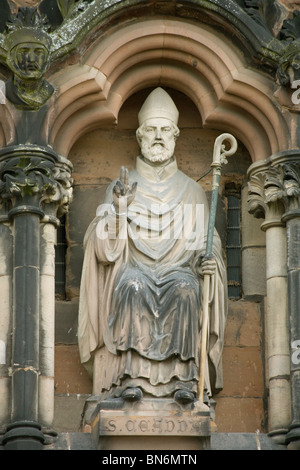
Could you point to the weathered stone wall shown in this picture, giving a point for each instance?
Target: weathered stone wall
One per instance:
(97, 158)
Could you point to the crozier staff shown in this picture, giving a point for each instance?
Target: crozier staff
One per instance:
(219, 158)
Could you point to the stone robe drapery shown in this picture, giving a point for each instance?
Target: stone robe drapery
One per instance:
(140, 297)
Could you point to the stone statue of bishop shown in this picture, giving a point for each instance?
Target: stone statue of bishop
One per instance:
(141, 290)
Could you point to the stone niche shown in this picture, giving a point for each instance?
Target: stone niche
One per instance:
(96, 158)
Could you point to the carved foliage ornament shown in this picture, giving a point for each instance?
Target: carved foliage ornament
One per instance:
(277, 184)
(36, 179)
(256, 200)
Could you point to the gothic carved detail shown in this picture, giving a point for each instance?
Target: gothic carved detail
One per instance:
(274, 190)
(36, 181)
(71, 21)
(289, 65)
(256, 200)
(292, 185)
(28, 57)
(71, 8)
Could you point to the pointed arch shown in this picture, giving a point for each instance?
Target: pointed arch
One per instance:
(189, 57)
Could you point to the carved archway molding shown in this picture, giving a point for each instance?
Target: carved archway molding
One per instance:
(191, 58)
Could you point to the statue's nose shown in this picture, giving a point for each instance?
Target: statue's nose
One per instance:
(30, 56)
(158, 134)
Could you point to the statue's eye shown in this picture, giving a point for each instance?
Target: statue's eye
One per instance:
(39, 51)
(23, 51)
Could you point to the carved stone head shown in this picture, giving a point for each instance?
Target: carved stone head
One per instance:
(158, 129)
(28, 53)
(28, 47)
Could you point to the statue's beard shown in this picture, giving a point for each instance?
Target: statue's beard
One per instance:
(157, 152)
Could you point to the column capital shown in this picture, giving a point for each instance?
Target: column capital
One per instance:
(35, 179)
(274, 188)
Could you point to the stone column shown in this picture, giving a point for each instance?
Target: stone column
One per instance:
(281, 191)
(54, 205)
(35, 183)
(47, 317)
(290, 174)
(265, 202)
(6, 255)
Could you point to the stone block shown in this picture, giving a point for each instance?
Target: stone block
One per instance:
(47, 309)
(5, 387)
(46, 400)
(252, 234)
(219, 441)
(6, 249)
(294, 302)
(254, 271)
(5, 309)
(74, 260)
(86, 199)
(68, 413)
(276, 252)
(293, 241)
(277, 317)
(98, 156)
(47, 251)
(148, 424)
(243, 441)
(72, 441)
(279, 366)
(66, 321)
(280, 397)
(243, 325)
(155, 443)
(192, 144)
(234, 414)
(70, 375)
(243, 372)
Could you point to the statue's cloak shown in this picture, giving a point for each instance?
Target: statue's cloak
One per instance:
(140, 297)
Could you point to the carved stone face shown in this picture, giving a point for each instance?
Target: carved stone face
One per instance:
(29, 60)
(157, 138)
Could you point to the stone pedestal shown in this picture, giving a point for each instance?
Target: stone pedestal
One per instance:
(156, 424)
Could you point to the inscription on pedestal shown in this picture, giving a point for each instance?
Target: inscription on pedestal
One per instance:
(118, 423)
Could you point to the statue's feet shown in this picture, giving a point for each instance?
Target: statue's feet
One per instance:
(184, 396)
(132, 394)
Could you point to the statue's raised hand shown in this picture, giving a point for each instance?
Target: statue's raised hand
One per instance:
(123, 193)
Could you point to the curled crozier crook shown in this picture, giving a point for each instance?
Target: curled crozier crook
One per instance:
(220, 152)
